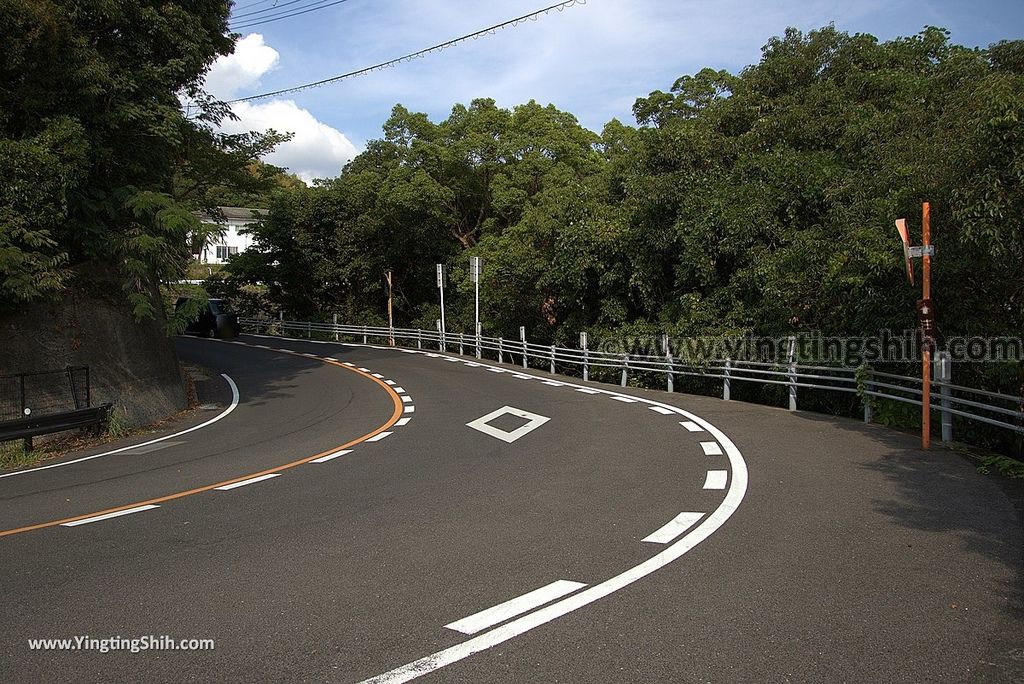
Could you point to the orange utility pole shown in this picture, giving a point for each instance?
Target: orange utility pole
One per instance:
(391, 322)
(925, 310)
(926, 295)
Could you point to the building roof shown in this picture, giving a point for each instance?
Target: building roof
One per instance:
(235, 214)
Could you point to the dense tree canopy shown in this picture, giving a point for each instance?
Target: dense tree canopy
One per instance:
(100, 167)
(754, 202)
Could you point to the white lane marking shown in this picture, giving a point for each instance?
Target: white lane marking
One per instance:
(107, 516)
(552, 383)
(365, 370)
(662, 411)
(716, 479)
(624, 400)
(349, 364)
(432, 355)
(251, 480)
(471, 364)
(379, 436)
(587, 390)
(520, 376)
(691, 426)
(377, 375)
(673, 528)
(409, 409)
(331, 456)
(510, 630)
(398, 389)
(711, 448)
(449, 358)
(496, 370)
(225, 412)
(390, 382)
(403, 421)
(517, 606)
(312, 356)
(534, 421)
(406, 399)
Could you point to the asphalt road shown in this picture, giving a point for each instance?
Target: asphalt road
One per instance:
(815, 549)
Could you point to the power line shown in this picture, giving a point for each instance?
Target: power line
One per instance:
(272, 8)
(532, 16)
(293, 12)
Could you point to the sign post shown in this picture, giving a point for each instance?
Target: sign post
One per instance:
(441, 272)
(475, 268)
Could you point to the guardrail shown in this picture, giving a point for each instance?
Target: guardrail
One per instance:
(947, 399)
(42, 402)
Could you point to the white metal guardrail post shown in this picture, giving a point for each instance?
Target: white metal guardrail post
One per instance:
(522, 338)
(586, 364)
(792, 373)
(625, 369)
(943, 371)
(727, 380)
(869, 411)
(461, 343)
(669, 386)
(501, 350)
(552, 358)
(364, 334)
(419, 338)
(309, 330)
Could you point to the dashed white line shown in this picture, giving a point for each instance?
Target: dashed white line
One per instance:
(107, 516)
(496, 370)
(716, 479)
(365, 370)
(403, 421)
(711, 448)
(380, 436)
(331, 456)
(552, 383)
(587, 390)
(517, 606)
(349, 364)
(251, 480)
(390, 382)
(624, 400)
(377, 375)
(675, 527)
(406, 399)
(659, 409)
(691, 426)
(398, 389)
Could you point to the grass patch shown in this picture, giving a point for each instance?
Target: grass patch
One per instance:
(13, 455)
(1004, 465)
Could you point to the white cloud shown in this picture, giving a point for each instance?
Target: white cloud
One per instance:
(241, 69)
(316, 150)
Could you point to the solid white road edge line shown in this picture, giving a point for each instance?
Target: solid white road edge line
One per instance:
(517, 606)
(251, 480)
(733, 498)
(106, 516)
(222, 414)
(673, 528)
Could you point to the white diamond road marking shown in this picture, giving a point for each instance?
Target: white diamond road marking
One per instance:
(534, 421)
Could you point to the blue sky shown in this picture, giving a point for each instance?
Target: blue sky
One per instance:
(592, 59)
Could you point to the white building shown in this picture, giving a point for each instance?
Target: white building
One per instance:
(219, 249)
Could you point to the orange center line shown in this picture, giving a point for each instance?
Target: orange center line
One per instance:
(396, 414)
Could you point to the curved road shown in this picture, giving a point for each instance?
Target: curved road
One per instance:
(346, 522)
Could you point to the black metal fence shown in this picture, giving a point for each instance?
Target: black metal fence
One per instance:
(44, 393)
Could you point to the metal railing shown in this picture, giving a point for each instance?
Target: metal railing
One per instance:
(43, 402)
(947, 399)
